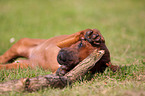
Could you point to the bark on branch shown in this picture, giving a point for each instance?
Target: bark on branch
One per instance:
(51, 80)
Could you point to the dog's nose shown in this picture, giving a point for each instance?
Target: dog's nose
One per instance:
(67, 56)
(62, 57)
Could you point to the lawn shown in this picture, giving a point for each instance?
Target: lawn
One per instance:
(122, 23)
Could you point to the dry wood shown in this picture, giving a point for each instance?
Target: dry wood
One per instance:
(51, 80)
(83, 67)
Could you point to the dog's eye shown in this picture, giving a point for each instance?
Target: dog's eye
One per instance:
(80, 45)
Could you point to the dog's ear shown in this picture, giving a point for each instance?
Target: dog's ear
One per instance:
(72, 39)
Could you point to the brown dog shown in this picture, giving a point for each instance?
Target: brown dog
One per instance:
(66, 50)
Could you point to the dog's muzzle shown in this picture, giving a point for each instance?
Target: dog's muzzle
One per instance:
(68, 57)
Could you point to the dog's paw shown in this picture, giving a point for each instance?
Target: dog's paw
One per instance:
(62, 70)
(93, 37)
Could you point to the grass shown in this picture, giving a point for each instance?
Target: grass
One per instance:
(121, 22)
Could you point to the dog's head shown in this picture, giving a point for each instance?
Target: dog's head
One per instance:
(89, 40)
(74, 54)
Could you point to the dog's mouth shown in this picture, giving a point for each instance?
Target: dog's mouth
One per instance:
(68, 57)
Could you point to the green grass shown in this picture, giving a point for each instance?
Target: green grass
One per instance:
(122, 23)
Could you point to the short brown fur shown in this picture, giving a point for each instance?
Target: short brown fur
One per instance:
(43, 52)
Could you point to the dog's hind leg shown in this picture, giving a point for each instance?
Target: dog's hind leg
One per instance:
(21, 48)
(16, 65)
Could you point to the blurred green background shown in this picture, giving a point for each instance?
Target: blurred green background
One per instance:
(122, 23)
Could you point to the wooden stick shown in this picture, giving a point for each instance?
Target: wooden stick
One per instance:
(51, 80)
(83, 67)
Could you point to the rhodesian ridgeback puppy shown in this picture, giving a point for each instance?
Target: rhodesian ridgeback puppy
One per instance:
(51, 53)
